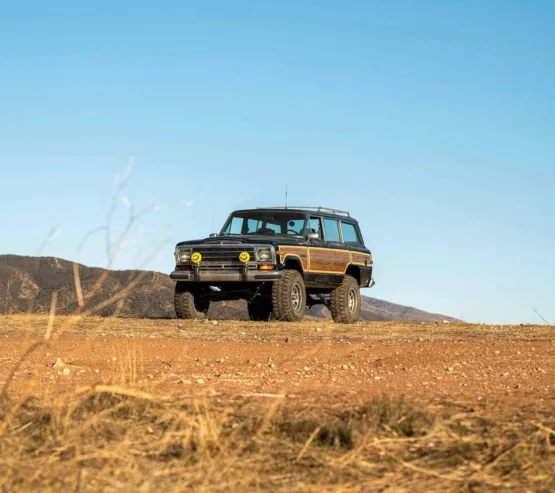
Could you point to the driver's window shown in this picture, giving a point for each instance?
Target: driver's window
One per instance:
(314, 226)
(295, 227)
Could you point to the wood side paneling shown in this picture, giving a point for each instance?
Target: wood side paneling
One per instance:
(329, 260)
(362, 258)
(300, 253)
(324, 260)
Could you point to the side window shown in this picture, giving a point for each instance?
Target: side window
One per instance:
(332, 230)
(314, 226)
(350, 234)
(234, 227)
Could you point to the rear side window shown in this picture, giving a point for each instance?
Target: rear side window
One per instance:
(331, 226)
(350, 234)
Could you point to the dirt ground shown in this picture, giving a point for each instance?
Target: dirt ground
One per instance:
(310, 361)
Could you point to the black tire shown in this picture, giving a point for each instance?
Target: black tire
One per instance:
(289, 297)
(189, 303)
(345, 301)
(260, 309)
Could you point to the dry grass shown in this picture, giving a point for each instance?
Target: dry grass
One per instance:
(125, 439)
(114, 438)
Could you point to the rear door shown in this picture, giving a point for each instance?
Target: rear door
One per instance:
(338, 250)
(328, 255)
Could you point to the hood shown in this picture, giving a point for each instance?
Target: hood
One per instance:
(237, 239)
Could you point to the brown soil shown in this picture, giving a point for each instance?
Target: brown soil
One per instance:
(308, 361)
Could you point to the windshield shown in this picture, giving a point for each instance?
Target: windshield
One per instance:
(265, 222)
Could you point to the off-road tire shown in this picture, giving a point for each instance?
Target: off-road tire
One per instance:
(189, 303)
(289, 297)
(260, 309)
(345, 301)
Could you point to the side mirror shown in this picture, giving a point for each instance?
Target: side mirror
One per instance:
(313, 236)
(212, 235)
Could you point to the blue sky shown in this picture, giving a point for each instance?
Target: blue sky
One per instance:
(433, 122)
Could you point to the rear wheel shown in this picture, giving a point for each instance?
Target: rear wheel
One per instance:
(289, 297)
(190, 303)
(345, 301)
(260, 309)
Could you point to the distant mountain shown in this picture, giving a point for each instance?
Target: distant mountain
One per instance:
(27, 284)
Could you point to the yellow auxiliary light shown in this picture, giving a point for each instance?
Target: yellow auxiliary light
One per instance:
(196, 258)
(244, 257)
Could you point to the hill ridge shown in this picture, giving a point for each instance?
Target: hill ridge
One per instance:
(27, 283)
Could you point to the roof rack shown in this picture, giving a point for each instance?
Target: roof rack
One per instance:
(317, 209)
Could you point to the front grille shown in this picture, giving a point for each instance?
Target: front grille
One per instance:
(225, 254)
(238, 266)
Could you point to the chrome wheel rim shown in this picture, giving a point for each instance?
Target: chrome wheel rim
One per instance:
(296, 297)
(352, 301)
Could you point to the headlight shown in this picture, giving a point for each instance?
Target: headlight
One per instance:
(263, 255)
(183, 255)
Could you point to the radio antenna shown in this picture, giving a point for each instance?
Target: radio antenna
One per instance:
(286, 196)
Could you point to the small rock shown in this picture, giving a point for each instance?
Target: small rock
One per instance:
(272, 365)
(184, 381)
(200, 381)
(318, 329)
(214, 322)
(450, 369)
(114, 358)
(59, 364)
(97, 371)
(287, 339)
(66, 371)
(306, 368)
(180, 326)
(377, 378)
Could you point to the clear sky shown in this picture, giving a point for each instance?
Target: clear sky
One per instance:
(433, 122)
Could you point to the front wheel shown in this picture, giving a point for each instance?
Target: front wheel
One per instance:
(345, 301)
(289, 297)
(189, 303)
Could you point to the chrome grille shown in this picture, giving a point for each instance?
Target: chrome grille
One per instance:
(238, 266)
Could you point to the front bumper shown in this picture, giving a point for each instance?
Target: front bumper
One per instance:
(245, 275)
